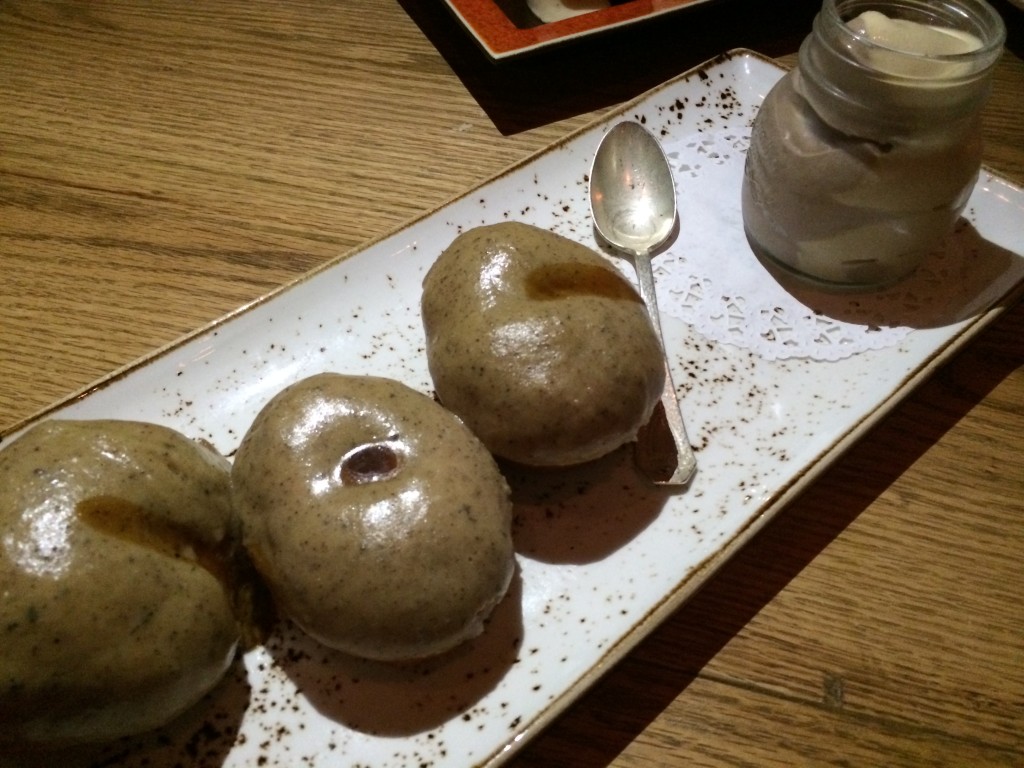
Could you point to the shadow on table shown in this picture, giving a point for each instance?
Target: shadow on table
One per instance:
(580, 76)
(402, 699)
(584, 513)
(202, 737)
(674, 655)
(956, 282)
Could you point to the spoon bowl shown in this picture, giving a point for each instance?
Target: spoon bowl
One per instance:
(633, 205)
(632, 194)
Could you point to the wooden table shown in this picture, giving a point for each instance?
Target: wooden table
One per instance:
(162, 163)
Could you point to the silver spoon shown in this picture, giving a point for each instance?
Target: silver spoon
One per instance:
(633, 203)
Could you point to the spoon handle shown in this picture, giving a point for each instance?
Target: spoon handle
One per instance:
(685, 461)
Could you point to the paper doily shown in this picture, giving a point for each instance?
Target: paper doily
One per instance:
(710, 278)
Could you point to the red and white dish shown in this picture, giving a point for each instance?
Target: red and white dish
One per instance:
(501, 38)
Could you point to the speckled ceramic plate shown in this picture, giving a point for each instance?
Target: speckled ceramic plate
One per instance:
(602, 555)
(507, 28)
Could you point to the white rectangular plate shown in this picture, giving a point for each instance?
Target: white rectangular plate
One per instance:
(602, 555)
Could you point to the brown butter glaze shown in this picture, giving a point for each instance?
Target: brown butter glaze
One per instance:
(561, 280)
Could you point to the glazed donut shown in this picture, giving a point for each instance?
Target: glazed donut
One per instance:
(380, 523)
(539, 345)
(114, 615)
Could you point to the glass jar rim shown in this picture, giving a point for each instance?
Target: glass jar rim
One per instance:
(984, 21)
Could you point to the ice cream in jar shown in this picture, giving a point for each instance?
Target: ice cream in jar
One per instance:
(863, 157)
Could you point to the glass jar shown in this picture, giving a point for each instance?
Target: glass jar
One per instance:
(863, 157)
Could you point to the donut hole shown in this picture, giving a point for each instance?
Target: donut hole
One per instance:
(369, 463)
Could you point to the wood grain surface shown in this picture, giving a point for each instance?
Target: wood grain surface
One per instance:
(163, 163)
